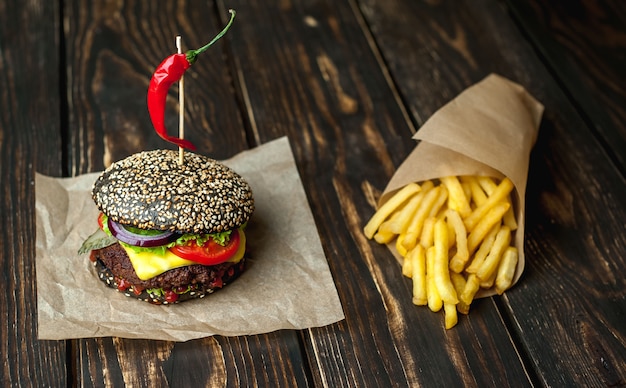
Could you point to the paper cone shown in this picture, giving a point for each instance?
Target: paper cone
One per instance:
(489, 130)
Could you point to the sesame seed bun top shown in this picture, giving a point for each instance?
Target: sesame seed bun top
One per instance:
(151, 190)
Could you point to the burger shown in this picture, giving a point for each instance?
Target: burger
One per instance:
(169, 231)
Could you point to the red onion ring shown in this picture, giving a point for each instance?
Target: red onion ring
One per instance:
(124, 235)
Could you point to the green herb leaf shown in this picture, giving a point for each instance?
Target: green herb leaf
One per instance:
(97, 240)
(158, 250)
(221, 238)
(142, 232)
(155, 291)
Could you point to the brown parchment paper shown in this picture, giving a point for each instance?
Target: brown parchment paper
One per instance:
(489, 129)
(287, 284)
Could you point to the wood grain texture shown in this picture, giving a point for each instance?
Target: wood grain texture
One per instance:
(143, 363)
(583, 43)
(30, 133)
(112, 50)
(348, 82)
(571, 292)
(314, 82)
(272, 359)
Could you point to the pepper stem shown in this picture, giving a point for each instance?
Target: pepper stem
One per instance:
(192, 54)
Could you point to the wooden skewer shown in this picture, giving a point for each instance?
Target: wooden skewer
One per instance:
(181, 106)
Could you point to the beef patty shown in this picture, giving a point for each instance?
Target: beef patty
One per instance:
(194, 281)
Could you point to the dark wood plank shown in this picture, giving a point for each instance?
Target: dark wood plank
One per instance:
(112, 50)
(310, 73)
(566, 314)
(30, 133)
(269, 360)
(583, 43)
(262, 360)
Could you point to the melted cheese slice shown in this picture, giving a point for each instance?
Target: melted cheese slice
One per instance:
(148, 265)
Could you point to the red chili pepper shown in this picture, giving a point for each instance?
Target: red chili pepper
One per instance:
(169, 71)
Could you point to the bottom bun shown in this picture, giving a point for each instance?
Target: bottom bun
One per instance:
(165, 295)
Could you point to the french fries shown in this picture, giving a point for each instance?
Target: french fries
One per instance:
(441, 274)
(433, 298)
(454, 235)
(418, 259)
(490, 265)
(506, 270)
(396, 201)
(457, 198)
(498, 195)
(414, 228)
(457, 263)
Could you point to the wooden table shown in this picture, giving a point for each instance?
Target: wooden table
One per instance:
(349, 82)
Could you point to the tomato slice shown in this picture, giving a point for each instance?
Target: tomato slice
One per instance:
(210, 253)
(101, 220)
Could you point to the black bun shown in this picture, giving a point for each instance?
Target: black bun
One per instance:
(151, 190)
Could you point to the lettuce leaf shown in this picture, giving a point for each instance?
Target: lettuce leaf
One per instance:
(221, 238)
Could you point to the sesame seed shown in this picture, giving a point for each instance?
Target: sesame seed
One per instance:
(151, 190)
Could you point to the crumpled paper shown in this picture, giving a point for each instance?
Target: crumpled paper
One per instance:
(489, 129)
(287, 285)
